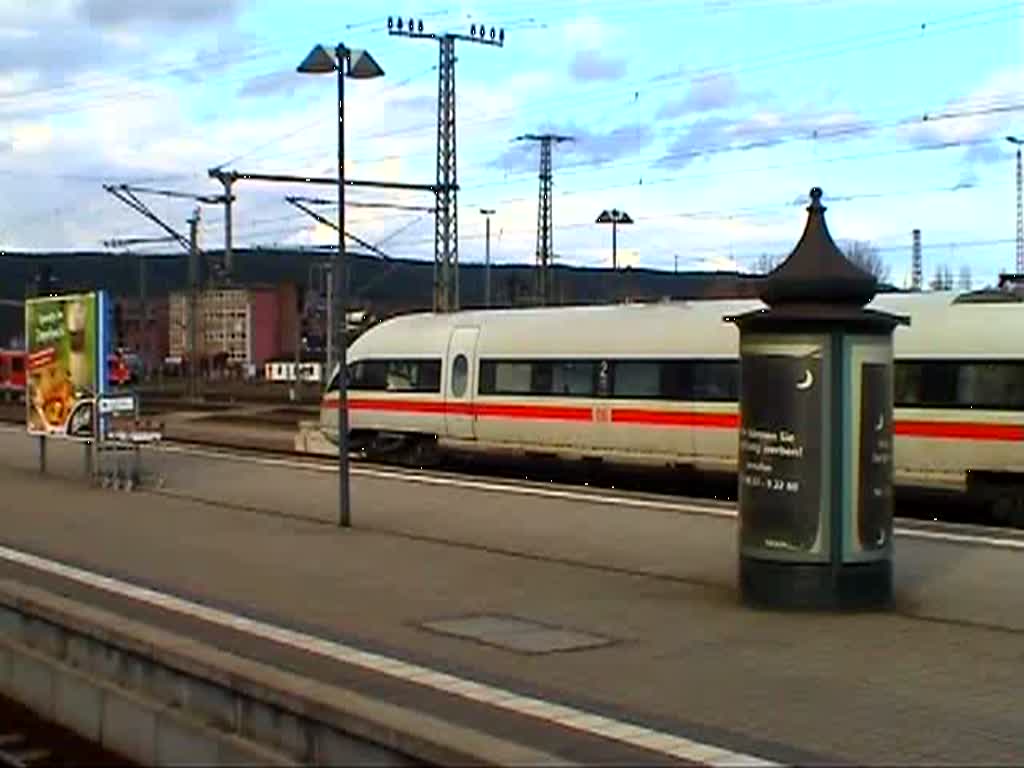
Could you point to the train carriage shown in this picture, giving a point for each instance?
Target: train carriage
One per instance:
(658, 384)
(12, 374)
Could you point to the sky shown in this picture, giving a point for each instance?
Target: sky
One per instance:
(707, 121)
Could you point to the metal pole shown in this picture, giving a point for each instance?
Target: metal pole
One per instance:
(228, 255)
(330, 319)
(615, 257)
(298, 346)
(487, 267)
(1020, 216)
(193, 263)
(144, 318)
(341, 275)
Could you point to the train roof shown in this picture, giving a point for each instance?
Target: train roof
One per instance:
(942, 324)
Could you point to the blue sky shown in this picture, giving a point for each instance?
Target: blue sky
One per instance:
(707, 120)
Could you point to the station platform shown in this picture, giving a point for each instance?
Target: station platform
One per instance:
(617, 607)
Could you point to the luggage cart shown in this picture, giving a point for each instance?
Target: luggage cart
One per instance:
(120, 460)
(122, 438)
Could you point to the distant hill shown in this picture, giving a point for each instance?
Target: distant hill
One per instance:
(383, 287)
(372, 279)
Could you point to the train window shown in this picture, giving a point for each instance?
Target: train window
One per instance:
(949, 384)
(505, 377)
(371, 375)
(563, 378)
(926, 384)
(460, 375)
(991, 385)
(700, 380)
(637, 379)
(394, 376)
(575, 379)
(558, 378)
(715, 381)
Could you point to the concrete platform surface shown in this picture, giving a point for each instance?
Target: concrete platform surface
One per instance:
(623, 606)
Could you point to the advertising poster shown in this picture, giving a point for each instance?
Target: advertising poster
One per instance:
(65, 363)
(874, 515)
(780, 452)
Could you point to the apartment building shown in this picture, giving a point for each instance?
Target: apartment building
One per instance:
(237, 327)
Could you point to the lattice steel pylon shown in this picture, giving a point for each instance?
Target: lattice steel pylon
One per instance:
(446, 219)
(446, 215)
(916, 263)
(545, 235)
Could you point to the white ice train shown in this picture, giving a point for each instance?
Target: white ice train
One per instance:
(657, 384)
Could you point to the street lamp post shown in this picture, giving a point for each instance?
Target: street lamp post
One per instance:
(357, 64)
(488, 212)
(614, 217)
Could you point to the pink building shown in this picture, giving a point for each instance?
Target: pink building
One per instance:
(237, 326)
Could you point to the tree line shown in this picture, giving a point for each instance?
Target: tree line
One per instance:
(866, 255)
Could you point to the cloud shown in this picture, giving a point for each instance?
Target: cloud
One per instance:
(985, 153)
(707, 93)
(711, 135)
(282, 82)
(969, 118)
(116, 13)
(591, 65)
(703, 133)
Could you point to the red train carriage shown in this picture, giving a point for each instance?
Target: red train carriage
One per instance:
(12, 373)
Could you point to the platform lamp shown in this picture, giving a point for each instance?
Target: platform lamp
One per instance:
(359, 65)
(614, 217)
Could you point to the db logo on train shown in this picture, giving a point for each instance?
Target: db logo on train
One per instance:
(602, 414)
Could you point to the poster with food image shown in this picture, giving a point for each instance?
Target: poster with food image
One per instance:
(63, 371)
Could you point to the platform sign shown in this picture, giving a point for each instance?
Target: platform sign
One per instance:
(66, 341)
(117, 404)
(780, 461)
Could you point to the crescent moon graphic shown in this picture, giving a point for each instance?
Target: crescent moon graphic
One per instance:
(807, 382)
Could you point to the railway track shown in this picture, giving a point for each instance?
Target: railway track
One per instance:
(28, 741)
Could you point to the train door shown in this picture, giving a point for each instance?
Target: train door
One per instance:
(460, 384)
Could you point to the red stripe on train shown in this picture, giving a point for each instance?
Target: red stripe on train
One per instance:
(550, 412)
(393, 406)
(960, 430)
(645, 416)
(675, 418)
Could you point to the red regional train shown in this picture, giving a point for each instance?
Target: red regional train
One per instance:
(12, 373)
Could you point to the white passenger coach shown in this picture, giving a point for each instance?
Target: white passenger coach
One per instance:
(658, 384)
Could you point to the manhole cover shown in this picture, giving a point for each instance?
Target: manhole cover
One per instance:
(516, 634)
